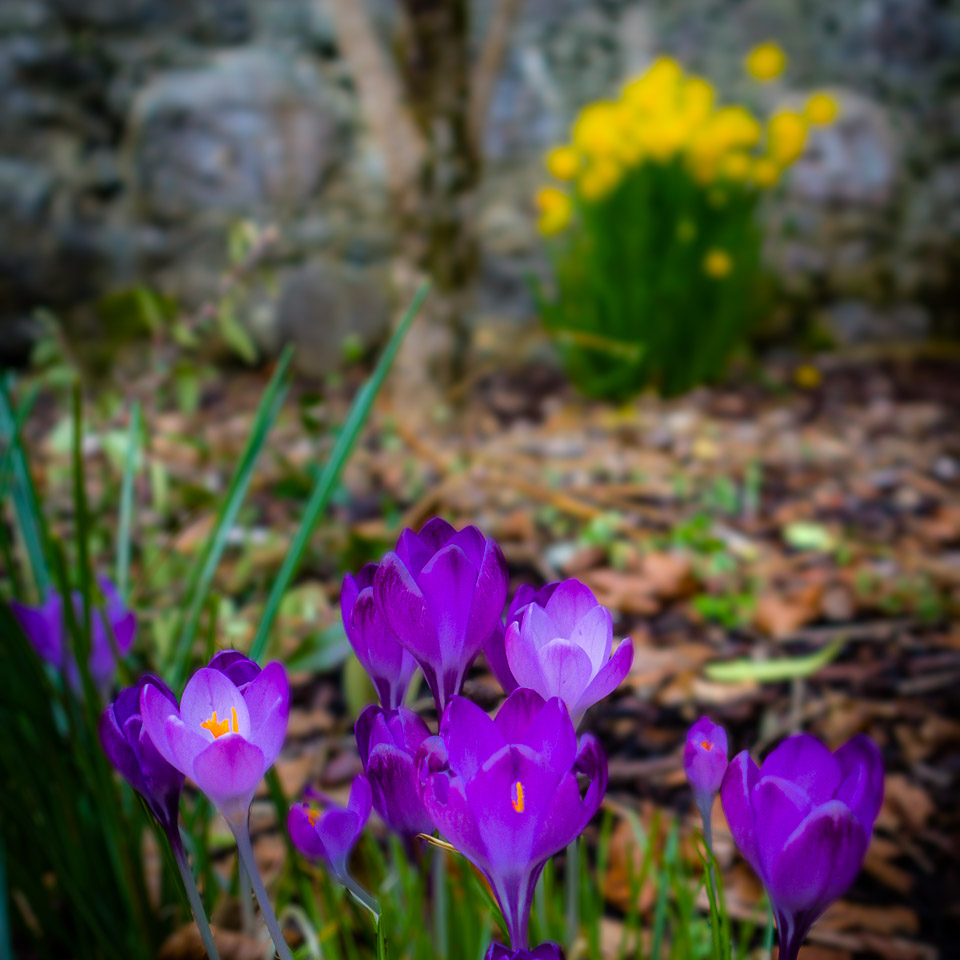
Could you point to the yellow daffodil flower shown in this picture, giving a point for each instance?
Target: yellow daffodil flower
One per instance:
(563, 162)
(821, 109)
(556, 208)
(766, 62)
(717, 264)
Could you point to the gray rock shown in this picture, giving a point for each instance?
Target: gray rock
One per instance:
(250, 131)
(854, 160)
(330, 313)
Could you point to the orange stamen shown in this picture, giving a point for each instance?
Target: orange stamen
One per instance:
(707, 745)
(218, 728)
(236, 725)
(517, 798)
(313, 816)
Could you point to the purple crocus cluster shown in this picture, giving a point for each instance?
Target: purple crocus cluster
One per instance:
(507, 792)
(802, 819)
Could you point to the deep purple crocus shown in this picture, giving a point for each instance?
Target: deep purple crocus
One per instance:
(388, 742)
(131, 751)
(803, 822)
(113, 624)
(561, 648)
(505, 792)
(236, 667)
(705, 762)
(442, 591)
(226, 733)
(388, 664)
(546, 951)
(328, 836)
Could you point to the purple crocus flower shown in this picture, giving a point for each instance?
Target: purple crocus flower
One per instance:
(45, 626)
(705, 761)
(236, 666)
(328, 836)
(131, 751)
(505, 792)
(546, 951)
(388, 742)
(561, 648)
(379, 651)
(494, 649)
(442, 592)
(803, 822)
(226, 733)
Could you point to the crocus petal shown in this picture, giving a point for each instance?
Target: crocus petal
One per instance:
(735, 793)
(861, 753)
(537, 627)
(805, 761)
(819, 861)
(229, 770)
(304, 833)
(569, 604)
(236, 666)
(566, 670)
(472, 542)
(495, 652)
(778, 808)
(551, 735)
(448, 581)
(448, 809)
(124, 630)
(337, 830)
(372, 716)
(610, 677)
(176, 743)
(522, 657)
(471, 737)
(403, 606)
(268, 704)
(436, 533)
(210, 691)
(42, 629)
(361, 798)
(489, 594)
(517, 713)
(593, 633)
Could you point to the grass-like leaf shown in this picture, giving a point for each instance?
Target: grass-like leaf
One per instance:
(125, 523)
(326, 483)
(201, 577)
(774, 671)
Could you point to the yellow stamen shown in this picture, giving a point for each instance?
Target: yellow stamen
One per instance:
(312, 816)
(517, 798)
(707, 745)
(218, 728)
(236, 725)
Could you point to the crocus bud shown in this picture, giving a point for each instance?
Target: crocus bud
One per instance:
(803, 822)
(328, 836)
(129, 748)
(226, 734)
(705, 761)
(380, 653)
(388, 742)
(546, 951)
(113, 624)
(442, 592)
(562, 649)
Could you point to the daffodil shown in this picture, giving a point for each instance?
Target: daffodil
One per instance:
(821, 109)
(787, 134)
(556, 208)
(563, 162)
(766, 62)
(717, 264)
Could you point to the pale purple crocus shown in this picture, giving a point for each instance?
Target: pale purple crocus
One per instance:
(380, 653)
(130, 750)
(442, 591)
(546, 951)
(494, 649)
(803, 822)
(225, 735)
(388, 742)
(561, 648)
(112, 631)
(505, 792)
(328, 835)
(705, 763)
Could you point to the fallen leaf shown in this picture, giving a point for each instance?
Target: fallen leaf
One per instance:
(781, 614)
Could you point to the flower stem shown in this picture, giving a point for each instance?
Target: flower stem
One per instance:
(363, 897)
(193, 895)
(573, 891)
(245, 850)
(440, 940)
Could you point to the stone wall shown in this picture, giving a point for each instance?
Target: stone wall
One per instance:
(135, 131)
